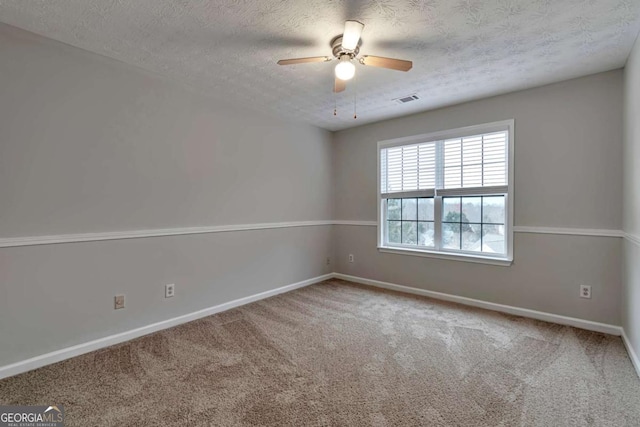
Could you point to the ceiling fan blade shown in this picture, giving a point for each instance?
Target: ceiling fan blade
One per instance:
(339, 85)
(304, 60)
(351, 35)
(393, 64)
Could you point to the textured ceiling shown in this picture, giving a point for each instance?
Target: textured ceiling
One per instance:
(461, 49)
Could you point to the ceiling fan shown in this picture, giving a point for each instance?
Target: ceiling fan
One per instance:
(345, 49)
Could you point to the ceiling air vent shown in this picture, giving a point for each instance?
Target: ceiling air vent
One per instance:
(405, 99)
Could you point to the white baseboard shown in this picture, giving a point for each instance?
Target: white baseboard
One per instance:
(524, 312)
(632, 353)
(77, 350)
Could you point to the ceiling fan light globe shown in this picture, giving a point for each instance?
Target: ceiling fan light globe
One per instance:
(351, 35)
(345, 70)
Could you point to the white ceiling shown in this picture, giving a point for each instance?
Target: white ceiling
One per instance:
(461, 49)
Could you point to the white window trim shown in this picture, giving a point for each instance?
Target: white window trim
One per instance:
(502, 260)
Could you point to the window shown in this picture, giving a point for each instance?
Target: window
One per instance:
(448, 194)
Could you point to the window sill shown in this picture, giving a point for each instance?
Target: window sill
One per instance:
(478, 259)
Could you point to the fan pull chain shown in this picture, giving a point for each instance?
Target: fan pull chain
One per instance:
(355, 104)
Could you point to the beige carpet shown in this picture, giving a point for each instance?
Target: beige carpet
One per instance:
(338, 354)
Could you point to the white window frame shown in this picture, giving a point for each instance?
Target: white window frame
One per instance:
(505, 259)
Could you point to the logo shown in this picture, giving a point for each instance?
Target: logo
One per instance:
(32, 416)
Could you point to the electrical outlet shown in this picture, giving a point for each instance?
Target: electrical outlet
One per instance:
(169, 290)
(585, 291)
(118, 302)
(328, 261)
(351, 258)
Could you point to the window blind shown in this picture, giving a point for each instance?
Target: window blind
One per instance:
(475, 161)
(470, 164)
(408, 168)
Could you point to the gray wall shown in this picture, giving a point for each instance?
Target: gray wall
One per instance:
(88, 144)
(631, 260)
(568, 158)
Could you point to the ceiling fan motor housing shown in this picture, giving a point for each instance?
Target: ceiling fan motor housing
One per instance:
(338, 50)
